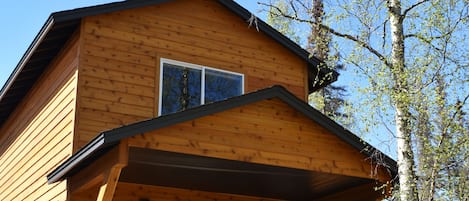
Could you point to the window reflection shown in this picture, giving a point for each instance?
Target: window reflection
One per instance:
(181, 86)
(221, 85)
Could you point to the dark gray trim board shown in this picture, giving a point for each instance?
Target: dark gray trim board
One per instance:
(112, 137)
(61, 25)
(186, 171)
(315, 66)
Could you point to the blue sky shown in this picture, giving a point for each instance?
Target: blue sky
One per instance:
(21, 20)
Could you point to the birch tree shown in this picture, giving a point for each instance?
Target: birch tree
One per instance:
(282, 24)
(414, 58)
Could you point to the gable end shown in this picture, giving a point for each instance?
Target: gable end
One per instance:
(60, 26)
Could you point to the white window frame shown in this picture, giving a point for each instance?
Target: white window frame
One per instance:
(202, 84)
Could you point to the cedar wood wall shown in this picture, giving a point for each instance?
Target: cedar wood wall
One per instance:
(118, 57)
(267, 132)
(38, 135)
(118, 60)
(119, 64)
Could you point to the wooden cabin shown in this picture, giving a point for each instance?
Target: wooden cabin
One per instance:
(174, 100)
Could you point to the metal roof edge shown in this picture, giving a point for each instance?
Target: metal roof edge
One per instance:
(19, 67)
(72, 162)
(79, 13)
(270, 31)
(273, 33)
(115, 135)
(336, 128)
(55, 19)
(66, 15)
(312, 61)
(192, 113)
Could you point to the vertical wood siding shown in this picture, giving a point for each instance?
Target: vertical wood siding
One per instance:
(38, 135)
(118, 76)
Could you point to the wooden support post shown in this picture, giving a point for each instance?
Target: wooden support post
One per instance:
(106, 191)
(104, 173)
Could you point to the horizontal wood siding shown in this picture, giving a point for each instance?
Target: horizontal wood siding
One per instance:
(129, 191)
(267, 132)
(38, 135)
(118, 75)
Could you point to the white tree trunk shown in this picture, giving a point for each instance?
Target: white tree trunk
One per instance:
(405, 156)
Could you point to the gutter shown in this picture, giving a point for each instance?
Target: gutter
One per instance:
(98, 143)
(27, 55)
(110, 138)
(312, 61)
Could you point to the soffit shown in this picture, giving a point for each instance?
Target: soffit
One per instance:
(169, 169)
(60, 26)
(110, 138)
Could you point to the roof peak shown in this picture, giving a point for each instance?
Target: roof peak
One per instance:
(112, 137)
(61, 25)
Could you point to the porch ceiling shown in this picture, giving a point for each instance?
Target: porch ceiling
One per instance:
(161, 168)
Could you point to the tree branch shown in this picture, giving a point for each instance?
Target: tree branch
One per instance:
(412, 7)
(458, 106)
(426, 40)
(332, 31)
(462, 17)
(359, 42)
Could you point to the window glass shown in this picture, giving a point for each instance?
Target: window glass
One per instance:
(184, 85)
(221, 85)
(181, 88)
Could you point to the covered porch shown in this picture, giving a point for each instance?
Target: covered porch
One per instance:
(266, 145)
(141, 174)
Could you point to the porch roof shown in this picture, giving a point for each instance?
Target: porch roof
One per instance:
(169, 169)
(109, 139)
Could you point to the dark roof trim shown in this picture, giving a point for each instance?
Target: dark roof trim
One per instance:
(69, 15)
(267, 29)
(186, 171)
(60, 25)
(313, 63)
(83, 154)
(103, 9)
(112, 137)
(32, 47)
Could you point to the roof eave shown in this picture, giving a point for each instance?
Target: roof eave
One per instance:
(112, 137)
(24, 59)
(98, 143)
(318, 80)
(19, 83)
(66, 16)
(279, 37)
(103, 9)
(336, 128)
(313, 63)
(71, 18)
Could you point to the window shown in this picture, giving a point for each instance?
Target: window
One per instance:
(184, 85)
